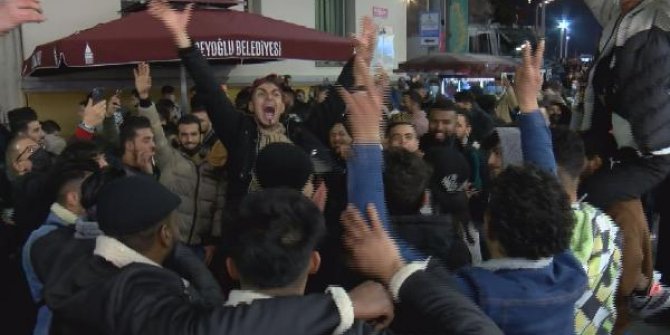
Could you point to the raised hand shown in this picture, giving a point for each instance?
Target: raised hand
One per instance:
(94, 114)
(372, 252)
(16, 12)
(143, 80)
(320, 196)
(113, 105)
(366, 40)
(175, 21)
(529, 77)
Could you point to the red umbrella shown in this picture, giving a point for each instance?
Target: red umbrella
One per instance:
(224, 35)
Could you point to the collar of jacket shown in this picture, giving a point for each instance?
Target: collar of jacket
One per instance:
(515, 264)
(63, 214)
(118, 253)
(236, 297)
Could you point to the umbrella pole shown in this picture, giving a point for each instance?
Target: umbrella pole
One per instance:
(184, 89)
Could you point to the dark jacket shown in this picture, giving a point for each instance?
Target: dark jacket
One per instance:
(239, 132)
(435, 236)
(96, 297)
(437, 307)
(628, 87)
(482, 124)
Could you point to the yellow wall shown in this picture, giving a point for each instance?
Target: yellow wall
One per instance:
(60, 107)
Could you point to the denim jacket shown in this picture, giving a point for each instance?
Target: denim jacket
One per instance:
(526, 296)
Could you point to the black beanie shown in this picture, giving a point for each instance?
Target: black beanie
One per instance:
(132, 204)
(20, 117)
(450, 173)
(283, 165)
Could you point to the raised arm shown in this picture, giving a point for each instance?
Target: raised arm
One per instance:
(165, 153)
(225, 119)
(364, 168)
(535, 135)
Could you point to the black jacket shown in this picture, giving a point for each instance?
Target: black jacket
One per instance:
(239, 132)
(95, 297)
(435, 306)
(435, 236)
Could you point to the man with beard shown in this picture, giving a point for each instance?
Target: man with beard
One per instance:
(187, 173)
(441, 125)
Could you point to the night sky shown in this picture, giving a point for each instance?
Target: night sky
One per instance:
(584, 29)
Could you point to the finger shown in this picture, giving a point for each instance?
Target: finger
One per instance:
(29, 4)
(375, 222)
(90, 103)
(188, 11)
(354, 224)
(346, 97)
(539, 54)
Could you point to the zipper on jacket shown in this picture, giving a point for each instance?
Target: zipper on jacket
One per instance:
(195, 204)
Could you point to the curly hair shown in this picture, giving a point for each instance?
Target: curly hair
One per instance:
(530, 213)
(406, 178)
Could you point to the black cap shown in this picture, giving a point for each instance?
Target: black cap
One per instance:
(283, 165)
(130, 205)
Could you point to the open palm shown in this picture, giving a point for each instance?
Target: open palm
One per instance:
(176, 21)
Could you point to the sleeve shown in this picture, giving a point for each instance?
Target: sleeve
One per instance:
(217, 217)
(604, 10)
(145, 304)
(110, 131)
(441, 302)
(165, 153)
(189, 266)
(323, 116)
(642, 87)
(536, 141)
(366, 186)
(83, 134)
(225, 119)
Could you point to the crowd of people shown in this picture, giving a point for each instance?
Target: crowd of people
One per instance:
(372, 209)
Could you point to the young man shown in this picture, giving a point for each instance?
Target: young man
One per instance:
(272, 247)
(470, 148)
(242, 134)
(123, 288)
(23, 122)
(482, 123)
(137, 146)
(211, 149)
(402, 135)
(411, 184)
(65, 212)
(53, 141)
(596, 240)
(417, 114)
(627, 99)
(442, 126)
(186, 173)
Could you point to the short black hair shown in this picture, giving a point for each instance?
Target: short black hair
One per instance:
(273, 237)
(19, 118)
(91, 187)
(443, 104)
(465, 96)
(190, 119)
(167, 89)
(243, 98)
(569, 152)
(491, 141)
(164, 108)
(84, 152)
(129, 128)
(50, 126)
(530, 214)
(61, 174)
(198, 104)
(406, 178)
(465, 114)
(487, 102)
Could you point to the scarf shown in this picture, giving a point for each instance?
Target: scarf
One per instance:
(275, 134)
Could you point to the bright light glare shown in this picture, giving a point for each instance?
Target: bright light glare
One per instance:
(563, 24)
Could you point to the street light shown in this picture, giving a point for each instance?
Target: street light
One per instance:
(567, 42)
(563, 25)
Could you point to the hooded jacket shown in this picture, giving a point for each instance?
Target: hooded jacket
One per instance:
(629, 82)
